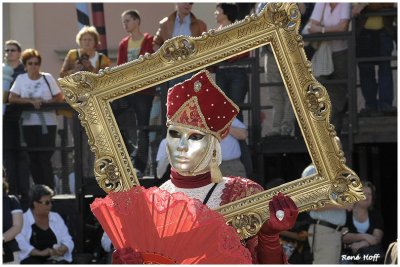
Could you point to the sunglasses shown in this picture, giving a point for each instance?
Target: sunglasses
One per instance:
(11, 50)
(33, 63)
(47, 202)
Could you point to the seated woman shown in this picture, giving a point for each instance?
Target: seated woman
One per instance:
(44, 237)
(12, 224)
(364, 227)
(199, 116)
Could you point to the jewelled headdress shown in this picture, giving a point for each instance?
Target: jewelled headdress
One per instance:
(200, 104)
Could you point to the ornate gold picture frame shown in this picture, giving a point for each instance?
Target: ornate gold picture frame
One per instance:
(91, 94)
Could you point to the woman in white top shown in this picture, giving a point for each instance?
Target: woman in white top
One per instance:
(44, 237)
(38, 127)
(334, 17)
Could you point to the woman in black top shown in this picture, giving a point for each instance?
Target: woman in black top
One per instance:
(12, 224)
(44, 238)
(364, 226)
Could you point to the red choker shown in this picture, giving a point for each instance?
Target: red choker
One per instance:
(190, 181)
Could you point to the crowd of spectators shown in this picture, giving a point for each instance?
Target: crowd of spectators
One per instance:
(41, 236)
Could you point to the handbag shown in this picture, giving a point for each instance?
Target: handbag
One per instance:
(311, 47)
(322, 63)
(306, 31)
(60, 112)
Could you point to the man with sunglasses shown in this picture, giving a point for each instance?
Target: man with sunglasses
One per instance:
(13, 57)
(180, 22)
(14, 160)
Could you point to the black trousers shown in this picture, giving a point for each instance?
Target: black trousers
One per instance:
(15, 160)
(40, 164)
(42, 260)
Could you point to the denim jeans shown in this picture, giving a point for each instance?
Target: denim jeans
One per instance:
(15, 161)
(234, 82)
(376, 43)
(283, 116)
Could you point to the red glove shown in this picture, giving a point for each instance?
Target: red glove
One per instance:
(284, 203)
(269, 249)
(127, 256)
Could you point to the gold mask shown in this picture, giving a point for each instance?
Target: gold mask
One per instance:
(187, 149)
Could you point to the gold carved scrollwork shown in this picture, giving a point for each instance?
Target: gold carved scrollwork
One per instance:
(247, 224)
(277, 25)
(107, 174)
(178, 49)
(316, 101)
(346, 188)
(283, 16)
(78, 87)
(86, 82)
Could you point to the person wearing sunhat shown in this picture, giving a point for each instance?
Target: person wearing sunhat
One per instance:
(199, 116)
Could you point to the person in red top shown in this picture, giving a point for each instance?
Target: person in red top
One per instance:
(130, 48)
(136, 43)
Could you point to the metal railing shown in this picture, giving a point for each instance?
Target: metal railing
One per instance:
(61, 170)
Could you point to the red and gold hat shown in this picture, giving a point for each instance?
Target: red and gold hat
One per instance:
(200, 104)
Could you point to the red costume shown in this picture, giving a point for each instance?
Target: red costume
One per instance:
(198, 105)
(264, 248)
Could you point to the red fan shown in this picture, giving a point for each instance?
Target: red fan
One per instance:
(168, 228)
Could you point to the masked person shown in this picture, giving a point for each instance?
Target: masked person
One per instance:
(199, 115)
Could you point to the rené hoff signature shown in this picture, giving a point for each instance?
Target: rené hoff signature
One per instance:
(358, 257)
